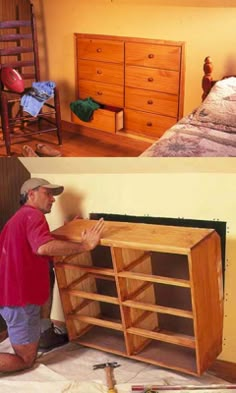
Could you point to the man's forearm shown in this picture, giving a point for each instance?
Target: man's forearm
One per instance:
(61, 247)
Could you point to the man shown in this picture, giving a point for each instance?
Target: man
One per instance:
(26, 246)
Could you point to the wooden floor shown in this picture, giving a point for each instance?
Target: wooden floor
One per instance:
(88, 143)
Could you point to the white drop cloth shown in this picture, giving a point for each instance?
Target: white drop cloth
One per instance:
(69, 369)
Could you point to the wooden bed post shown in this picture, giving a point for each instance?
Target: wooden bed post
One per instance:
(207, 78)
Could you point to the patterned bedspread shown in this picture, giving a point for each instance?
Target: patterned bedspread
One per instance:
(209, 131)
(185, 139)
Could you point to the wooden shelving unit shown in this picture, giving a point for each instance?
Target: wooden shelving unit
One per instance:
(148, 292)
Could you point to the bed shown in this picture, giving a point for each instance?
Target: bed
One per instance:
(210, 130)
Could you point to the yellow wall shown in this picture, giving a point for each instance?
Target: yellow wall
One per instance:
(163, 191)
(207, 27)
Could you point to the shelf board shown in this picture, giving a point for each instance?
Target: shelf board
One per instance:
(96, 321)
(158, 279)
(89, 269)
(166, 336)
(91, 295)
(159, 309)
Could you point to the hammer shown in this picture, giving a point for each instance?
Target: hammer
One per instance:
(108, 370)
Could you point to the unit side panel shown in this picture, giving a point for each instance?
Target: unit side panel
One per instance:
(68, 273)
(207, 299)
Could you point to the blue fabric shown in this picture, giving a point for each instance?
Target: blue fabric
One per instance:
(35, 98)
(23, 323)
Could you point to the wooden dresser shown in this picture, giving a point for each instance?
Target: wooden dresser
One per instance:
(140, 82)
(148, 292)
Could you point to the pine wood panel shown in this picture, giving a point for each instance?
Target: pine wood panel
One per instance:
(149, 124)
(169, 337)
(100, 50)
(101, 72)
(152, 307)
(151, 101)
(138, 236)
(103, 93)
(153, 278)
(152, 79)
(159, 56)
(207, 299)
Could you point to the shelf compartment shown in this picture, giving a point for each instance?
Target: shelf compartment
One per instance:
(164, 354)
(92, 296)
(151, 278)
(154, 325)
(96, 321)
(104, 339)
(172, 268)
(159, 309)
(88, 269)
(158, 294)
(165, 336)
(87, 312)
(87, 284)
(100, 257)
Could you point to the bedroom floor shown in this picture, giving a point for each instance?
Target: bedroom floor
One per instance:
(92, 143)
(70, 369)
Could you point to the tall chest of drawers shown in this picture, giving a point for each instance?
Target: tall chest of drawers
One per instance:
(144, 78)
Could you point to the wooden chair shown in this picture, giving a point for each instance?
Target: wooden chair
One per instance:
(19, 50)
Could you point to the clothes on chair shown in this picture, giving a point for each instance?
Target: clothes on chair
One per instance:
(84, 108)
(35, 98)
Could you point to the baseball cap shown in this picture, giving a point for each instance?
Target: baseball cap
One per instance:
(35, 182)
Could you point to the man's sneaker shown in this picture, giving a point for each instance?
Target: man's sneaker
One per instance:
(52, 338)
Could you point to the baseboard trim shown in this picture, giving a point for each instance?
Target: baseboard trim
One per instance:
(224, 369)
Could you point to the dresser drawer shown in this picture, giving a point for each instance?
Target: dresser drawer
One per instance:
(101, 50)
(147, 124)
(152, 55)
(152, 79)
(151, 101)
(101, 72)
(103, 93)
(108, 120)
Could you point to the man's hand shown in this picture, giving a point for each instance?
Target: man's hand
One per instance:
(90, 237)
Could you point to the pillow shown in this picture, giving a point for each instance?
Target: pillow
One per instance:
(219, 107)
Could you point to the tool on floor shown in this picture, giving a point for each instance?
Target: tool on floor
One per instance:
(160, 388)
(108, 367)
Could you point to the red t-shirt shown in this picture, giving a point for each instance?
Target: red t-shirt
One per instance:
(24, 275)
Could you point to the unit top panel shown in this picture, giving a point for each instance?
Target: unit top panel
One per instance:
(172, 239)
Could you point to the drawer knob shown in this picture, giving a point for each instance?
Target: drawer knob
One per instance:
(99, 50)
(149, 124)
(150, 102)
(150, 79)
(99, 72)
(151, 56)
(99, 93)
